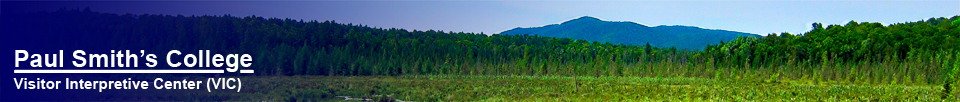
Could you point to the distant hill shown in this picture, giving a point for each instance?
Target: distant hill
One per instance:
(593, 29)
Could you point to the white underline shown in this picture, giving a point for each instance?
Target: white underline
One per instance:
(246, 71)
(121, 71)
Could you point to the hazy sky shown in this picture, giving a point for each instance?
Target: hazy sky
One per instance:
(758, 17)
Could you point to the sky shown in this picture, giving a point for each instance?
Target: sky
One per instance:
(491, 17)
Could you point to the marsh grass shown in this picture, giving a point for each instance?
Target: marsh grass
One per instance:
(562, 88)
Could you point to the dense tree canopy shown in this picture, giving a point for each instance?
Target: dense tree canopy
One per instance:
(853, 42)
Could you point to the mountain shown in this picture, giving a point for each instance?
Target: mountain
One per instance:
(616, 32)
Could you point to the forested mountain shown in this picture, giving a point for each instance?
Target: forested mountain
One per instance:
(630, 33)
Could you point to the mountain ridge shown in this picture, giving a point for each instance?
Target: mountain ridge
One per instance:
(632, 33)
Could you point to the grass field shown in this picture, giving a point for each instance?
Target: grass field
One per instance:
(552, 88)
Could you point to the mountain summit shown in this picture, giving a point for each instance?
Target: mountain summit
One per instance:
(630, 33)
(586, 19)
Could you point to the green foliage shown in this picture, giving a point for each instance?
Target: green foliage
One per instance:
(894, 53)
(956, 22)
(955, 71)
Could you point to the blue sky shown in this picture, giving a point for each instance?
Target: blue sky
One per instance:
(758, 17)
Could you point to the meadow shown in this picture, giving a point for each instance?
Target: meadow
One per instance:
(563, 88)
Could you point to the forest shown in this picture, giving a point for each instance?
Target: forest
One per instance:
(922, 52)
